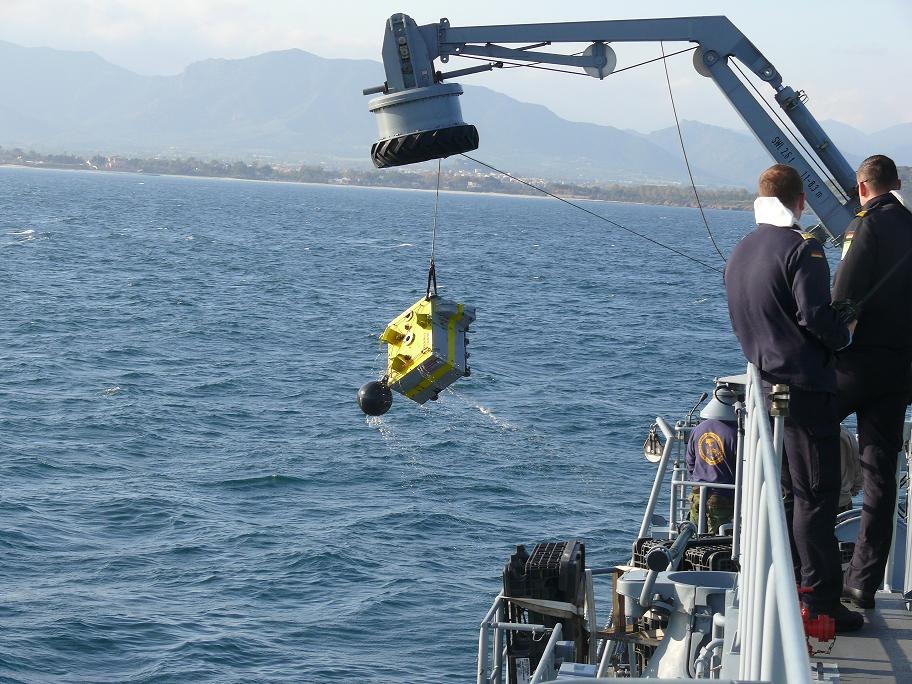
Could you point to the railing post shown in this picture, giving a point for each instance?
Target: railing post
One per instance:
(497, 667)
(891, 557)
(770, 631)
(701, 513)
(907, 579)
(546, 664)
(660, 476)
(493, 613)
(771, 660)
(676, 490)
(739, 479)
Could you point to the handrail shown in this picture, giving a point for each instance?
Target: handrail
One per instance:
(493, 617)
(770, 629)
(545, 665)
(907, 575)
(769, 642)
(660, 476)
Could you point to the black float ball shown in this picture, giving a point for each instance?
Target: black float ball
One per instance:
(375, 398)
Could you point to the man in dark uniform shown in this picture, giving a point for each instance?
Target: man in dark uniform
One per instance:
(874, 374)
(777, 280)
(710, 457)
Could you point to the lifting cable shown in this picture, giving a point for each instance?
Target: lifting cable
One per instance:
(596, 215)
(663, 58)
(684, 152)
(536, 65)
(432, 268)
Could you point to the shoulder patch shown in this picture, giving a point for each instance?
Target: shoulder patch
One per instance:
(814, 249)
(847, 242)
(862, 213)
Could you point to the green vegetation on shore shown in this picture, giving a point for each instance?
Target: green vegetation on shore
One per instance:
(474, 180)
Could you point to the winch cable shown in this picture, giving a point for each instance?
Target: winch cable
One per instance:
(797, 140)
(763, 101)
(596, 215)
(674, 110)
(663, 58)
(432, 268)
(501, 64)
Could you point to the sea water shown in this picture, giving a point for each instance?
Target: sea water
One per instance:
(189, 490)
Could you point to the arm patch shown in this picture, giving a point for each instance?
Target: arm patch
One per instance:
(847, 242)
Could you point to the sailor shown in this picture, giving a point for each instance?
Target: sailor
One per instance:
(777, 280)
(711, 451)
(874, 375)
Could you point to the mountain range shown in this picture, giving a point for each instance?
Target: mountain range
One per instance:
(295, 107)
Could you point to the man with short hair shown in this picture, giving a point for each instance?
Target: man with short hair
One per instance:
(777, 280)
(874, 375)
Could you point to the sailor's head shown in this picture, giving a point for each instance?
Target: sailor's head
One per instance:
(876, 176)
(721, 406)
(783, 182)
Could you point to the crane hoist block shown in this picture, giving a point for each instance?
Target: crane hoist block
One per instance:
(427, 347)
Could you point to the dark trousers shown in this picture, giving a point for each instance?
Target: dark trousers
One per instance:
(875, 387)
(811, 475)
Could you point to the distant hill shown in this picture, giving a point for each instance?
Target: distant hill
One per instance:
(292, 106)
(730, 154)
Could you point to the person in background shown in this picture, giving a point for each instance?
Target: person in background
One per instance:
(778, 285)
(710, 457)
(874, 282)
(852, 480)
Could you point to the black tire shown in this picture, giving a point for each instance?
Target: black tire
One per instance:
(418, 147)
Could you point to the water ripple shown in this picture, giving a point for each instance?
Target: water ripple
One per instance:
(190, 492)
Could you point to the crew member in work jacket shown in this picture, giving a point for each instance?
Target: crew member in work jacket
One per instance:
(710, 457)
(778, 285)
(873, 375)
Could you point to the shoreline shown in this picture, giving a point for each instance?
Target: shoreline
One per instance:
(490, 193)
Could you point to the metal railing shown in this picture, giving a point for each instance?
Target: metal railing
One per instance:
(493, 630)
(660, 476)
(770, 629)
(769, 644)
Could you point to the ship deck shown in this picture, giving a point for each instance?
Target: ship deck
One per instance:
(882, 650)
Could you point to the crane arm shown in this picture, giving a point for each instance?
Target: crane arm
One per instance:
(419, 115)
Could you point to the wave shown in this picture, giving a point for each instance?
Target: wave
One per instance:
(261, 482)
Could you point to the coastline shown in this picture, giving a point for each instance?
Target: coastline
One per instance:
(728, 206)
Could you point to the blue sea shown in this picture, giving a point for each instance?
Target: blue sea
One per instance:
(189, 490)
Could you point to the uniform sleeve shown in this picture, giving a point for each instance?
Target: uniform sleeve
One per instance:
(855, 273)
(731, 447)
(811, 289)
(690, 456)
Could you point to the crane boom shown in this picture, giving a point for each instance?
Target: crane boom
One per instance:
(419, 117)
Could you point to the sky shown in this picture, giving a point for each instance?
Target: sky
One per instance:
(853, 59)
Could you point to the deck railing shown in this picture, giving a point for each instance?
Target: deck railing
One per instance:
(770, 630)
(769, 643)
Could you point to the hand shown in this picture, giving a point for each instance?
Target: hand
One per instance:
(847, 311)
